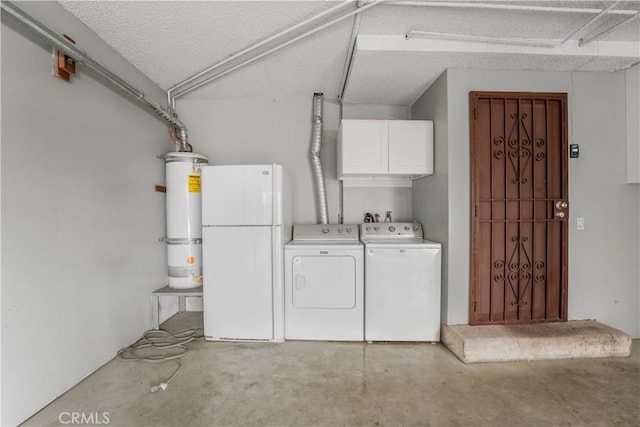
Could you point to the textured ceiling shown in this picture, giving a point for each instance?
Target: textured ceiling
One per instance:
(388, 19)
(407, 75)
(172, 40)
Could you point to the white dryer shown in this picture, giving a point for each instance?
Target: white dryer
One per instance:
(324, 284)
(402, 283)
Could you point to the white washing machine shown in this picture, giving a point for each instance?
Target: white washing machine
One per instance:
(324, 284)
(402, 283)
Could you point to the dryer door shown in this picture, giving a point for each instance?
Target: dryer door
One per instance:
(324, 281)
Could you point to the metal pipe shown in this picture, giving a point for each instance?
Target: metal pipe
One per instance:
(602, 33)
(467, 37)
(257, 45)
(508, 7)
(347, 65)
(276, 48)
(169, 105)
(594, 19)
(81, 57)
(340, 201)
(340, 181)
(316, 163)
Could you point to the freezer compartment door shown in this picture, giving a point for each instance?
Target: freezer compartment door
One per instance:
(237, 287)
(238, 195)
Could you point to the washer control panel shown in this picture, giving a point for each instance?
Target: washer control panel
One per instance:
(326, 232)
(391, 229)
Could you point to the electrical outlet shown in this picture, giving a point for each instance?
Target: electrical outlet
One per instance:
(580, 223)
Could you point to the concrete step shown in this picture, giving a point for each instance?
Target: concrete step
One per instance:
(562, 340)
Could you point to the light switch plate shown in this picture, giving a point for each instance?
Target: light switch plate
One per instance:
(580, 223)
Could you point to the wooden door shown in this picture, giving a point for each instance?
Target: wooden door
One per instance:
(519, 191)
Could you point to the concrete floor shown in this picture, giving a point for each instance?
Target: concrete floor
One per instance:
(320, 383)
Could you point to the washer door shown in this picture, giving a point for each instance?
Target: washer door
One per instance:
(324, 282)
(402, 296)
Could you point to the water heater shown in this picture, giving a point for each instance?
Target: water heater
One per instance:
(184, 219)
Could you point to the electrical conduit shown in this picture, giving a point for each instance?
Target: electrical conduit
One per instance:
(81, 57)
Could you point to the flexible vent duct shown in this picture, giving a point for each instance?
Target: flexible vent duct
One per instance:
(316, 163)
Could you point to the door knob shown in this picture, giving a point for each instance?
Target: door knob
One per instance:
(561, 205)
(560, 214)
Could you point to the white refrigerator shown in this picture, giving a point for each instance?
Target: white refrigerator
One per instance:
(246, 219)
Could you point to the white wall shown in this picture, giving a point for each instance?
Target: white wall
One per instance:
(375, 112)
(361, 200)
(431, 194)
(80, 218)
(603, 273)
(633, 123)
(245, 131)
(633, 134)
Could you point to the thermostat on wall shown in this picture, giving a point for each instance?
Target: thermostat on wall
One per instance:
(574, 151)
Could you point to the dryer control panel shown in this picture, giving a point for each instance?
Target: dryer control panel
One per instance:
(391, 229)
(326, 232)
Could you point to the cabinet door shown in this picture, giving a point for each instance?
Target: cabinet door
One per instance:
(410, 147)
(363, 147)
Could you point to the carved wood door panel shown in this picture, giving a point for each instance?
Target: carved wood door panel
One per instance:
(519, 191)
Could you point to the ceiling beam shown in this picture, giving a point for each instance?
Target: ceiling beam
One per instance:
(191, 88)
(255, 46)
(591, 21)
(602, 33)
(485, 39)
(347, 66)
(496, 6)
(399, 43)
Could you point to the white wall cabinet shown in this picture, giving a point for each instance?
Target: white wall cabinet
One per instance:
(363, 148)
(394, 150)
